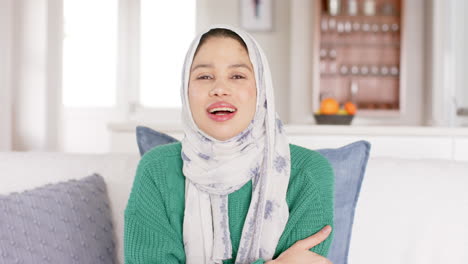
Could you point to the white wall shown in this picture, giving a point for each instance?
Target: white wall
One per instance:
(85, 130)
(29, 80)
(301, 68)
(448, 67)
(429, 21)
(275, 43)
(413, 76)
(5, 71)
(30, 88)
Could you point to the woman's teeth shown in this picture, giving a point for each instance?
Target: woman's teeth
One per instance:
(222, 114)
(222, 111)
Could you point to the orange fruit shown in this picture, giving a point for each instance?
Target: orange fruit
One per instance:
(350, 108)
(342, 112)
(329, 106)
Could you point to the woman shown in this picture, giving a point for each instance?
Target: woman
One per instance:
(234, 190)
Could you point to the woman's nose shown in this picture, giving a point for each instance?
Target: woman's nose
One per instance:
(219, 89)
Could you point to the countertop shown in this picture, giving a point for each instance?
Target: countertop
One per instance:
(129, 127)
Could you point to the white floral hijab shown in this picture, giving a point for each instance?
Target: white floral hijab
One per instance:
(214, 169)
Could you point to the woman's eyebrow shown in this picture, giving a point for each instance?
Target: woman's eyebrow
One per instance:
(243, 65)
(201, 66)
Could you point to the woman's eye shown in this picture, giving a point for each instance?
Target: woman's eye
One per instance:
(238, 77)
(204, 77)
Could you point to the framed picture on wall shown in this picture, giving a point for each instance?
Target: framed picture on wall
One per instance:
(256, 15)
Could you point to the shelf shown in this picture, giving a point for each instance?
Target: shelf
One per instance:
(378, 106)
(378, 113)
(359, 16)
(463, 111)
(330, 75)
(364, 45)
(363, 52)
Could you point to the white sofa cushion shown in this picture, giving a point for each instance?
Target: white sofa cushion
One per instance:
(409, 211)
(412, 211)
(26, 170)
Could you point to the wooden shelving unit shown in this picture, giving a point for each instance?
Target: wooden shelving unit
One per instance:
(358, 57)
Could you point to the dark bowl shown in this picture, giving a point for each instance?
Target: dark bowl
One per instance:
(333, 119)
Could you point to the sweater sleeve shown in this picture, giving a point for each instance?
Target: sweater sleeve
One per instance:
(148, 235)
(259, 261)
(313, 207)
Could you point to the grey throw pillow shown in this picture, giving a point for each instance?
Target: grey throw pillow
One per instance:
(68, 222)
(349, 165)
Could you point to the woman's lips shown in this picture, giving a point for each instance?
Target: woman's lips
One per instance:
(221, 106)
(221, 118)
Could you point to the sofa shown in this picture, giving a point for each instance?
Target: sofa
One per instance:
(409, 210)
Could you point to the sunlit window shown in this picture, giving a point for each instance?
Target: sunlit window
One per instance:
(90, 52)
(167, 28)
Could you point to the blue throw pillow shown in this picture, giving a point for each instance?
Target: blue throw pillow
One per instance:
(349, 165)
(148, 138)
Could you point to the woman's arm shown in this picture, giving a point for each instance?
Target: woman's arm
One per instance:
(299, 253)
(148, 234)
(312, 208)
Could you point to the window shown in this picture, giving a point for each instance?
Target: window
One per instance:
(91, 51)
(167, 28)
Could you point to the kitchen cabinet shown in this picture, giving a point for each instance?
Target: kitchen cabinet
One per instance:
(358, 54)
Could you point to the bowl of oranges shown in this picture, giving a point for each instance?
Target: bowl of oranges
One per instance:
(331, 113)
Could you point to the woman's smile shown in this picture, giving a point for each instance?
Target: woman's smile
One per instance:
(221, 111)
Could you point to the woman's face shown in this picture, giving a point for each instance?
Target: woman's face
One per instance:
(222, 91)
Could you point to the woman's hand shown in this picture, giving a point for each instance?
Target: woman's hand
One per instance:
(299, 252)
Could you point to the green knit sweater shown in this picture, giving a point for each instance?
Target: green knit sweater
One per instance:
(155, 210)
